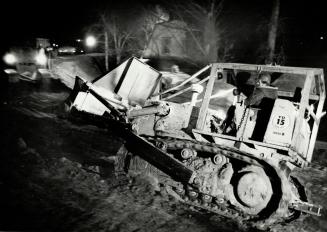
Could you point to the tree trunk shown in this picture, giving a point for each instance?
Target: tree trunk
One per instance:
(118, 56)
(210, 40)
(211, 34)
(273, 32)
(106, 50)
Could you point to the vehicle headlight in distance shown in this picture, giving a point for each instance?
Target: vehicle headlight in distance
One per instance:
(10, 59)
(41, 58)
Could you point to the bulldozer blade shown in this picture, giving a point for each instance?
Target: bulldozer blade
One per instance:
(158, 158)
(78, 86)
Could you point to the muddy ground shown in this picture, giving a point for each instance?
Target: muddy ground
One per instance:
(57, 175)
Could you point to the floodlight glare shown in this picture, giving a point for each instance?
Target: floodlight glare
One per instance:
(10, 59)
(41, 58)
(90, 41)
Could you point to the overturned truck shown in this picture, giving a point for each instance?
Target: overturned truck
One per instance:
(208, 142)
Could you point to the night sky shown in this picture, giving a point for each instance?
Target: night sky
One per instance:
(304, 22)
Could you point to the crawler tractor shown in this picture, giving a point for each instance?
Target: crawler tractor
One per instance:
(206, 143)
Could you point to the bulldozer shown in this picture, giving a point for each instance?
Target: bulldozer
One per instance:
(212, 148)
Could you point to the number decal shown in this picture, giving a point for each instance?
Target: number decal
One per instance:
(281, 121)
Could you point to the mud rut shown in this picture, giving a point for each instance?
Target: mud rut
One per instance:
(56, 175)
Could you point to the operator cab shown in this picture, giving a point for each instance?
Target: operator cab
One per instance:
(282, 114)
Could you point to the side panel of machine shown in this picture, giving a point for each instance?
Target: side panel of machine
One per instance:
(281, 123)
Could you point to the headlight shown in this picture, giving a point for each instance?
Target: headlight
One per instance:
(41, 58)
(10, 59)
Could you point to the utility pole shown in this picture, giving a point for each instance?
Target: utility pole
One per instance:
(106, 48)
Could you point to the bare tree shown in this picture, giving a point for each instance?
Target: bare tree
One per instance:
(151, 16)
(203, 26)
(129, 30)
(120, 33)
(116, 31)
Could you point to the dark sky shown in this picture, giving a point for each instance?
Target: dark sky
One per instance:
(303, 21)
(57, 19)
(54, 19)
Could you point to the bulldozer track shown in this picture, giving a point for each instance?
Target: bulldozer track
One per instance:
(231, 212)
(213, 206)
